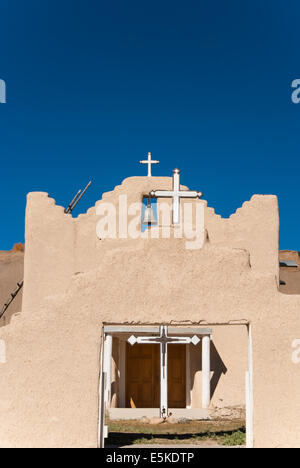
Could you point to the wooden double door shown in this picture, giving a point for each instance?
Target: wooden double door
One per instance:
(143, 376)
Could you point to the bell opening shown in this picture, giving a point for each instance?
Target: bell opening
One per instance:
(149, 213)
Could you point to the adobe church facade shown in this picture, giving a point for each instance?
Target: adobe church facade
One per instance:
(150, 324)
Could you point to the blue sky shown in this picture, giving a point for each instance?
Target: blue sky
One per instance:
(206, 86)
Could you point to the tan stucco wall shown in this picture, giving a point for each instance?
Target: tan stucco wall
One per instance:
(58, 245)
(74, 283)
(229, 362)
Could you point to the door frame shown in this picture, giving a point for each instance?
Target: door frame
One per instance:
(128, 329)
(122, 375)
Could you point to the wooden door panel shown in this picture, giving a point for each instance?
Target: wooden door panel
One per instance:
(143, 376)
(142, 369)
(139, 395)
(177, 376)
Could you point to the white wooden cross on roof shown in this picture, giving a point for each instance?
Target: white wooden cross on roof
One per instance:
(163, 340)
(176, 194)
(149, 162)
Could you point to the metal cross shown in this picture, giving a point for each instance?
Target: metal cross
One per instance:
(176, 194)
(149, 161)
(163, 340)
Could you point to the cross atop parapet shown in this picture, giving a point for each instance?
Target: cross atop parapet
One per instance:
(149, 162)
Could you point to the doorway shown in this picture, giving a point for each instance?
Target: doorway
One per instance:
(143, 376)
(141, 368)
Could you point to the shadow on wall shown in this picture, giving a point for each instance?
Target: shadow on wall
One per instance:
(218, 367)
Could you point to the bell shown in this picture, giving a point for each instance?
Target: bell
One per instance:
(149, 217)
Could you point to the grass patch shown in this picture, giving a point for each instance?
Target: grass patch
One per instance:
(226, 433)
(234, 438)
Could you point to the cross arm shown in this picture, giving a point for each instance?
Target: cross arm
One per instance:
(153, 161)
(141, 340)
(172, 193)
(162, 193)
(189, 194)
(184, 340)
(170, 340)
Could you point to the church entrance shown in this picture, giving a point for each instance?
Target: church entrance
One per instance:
(149, 368)
(167, 370)
(143, 376)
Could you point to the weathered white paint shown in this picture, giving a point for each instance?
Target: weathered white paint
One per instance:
(205, 371)
(107, 368)
(2, 352)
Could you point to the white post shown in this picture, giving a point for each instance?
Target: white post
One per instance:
(249, 395)
(205, 371)
(163, 382)
(107, 368)
(188, 377)
(101, 418)
(122, 371)
(249, 413)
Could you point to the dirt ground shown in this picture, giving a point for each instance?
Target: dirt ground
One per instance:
(205, 434)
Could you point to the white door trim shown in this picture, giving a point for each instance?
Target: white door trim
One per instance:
(188, 377)
(122, 373)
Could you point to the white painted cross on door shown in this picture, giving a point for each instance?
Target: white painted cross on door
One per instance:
(163, 340)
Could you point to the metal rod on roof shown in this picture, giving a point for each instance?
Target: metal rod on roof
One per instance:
(80, 197)
(12, 297)
(68, 210)
(77, 199)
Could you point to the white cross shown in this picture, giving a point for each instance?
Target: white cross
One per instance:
(163, 340)
(176, 194)
(149, 161)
